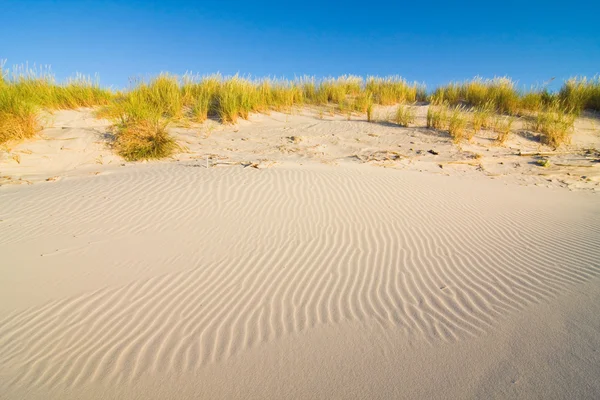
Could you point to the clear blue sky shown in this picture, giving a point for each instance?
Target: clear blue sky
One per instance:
(427, 41)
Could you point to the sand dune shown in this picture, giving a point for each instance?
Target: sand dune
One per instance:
(77, 144)
(173, 280)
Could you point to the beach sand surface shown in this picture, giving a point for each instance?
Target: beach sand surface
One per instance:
(306, 275)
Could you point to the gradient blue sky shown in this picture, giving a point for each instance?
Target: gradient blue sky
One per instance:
(426, 41)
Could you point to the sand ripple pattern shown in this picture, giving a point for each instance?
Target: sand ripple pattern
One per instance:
(275, 252)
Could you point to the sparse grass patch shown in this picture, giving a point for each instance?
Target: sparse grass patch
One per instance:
(481, 117)
(554, 126)
(502, 126)
(363, 101)
(405, 115)
(370, 113)
(457, 123)
(437, 117)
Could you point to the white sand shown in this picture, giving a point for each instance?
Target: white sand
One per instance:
(303, 280)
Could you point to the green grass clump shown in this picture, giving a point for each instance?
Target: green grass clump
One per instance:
(536, 100)
(201, 102)
(481, 118)
(363, 102)
(500, 93)
(405, 115)
(24, 92)
(284, 95)
(331, 91)
(578, 94)
(236, 97)
(575, 95)
(199, 96)
(162, 94)
(142, 114)
(18, 119)
(393, 90)
(457, 123)
(437, 116)
(39, 87)
(143, 140)
(555, 126)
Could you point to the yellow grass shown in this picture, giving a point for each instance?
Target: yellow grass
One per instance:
(24, 91)
(457, 123)
(437, 116)
(393, 90)
(481, 117)
(581, 93)
(499, 93)
(405, 115)
(555, 126)
(144, 139)
(502, 127)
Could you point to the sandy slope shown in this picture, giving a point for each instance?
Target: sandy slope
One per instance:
(76, 144)
(172, 280)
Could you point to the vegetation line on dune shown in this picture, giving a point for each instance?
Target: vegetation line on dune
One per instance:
(143, 112)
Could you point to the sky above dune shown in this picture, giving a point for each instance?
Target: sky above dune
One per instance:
(432, 42)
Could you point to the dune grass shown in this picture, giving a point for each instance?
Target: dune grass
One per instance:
(502, 127)
(481, 118)
(18, 119)
(457, 124)
(405, 115)
(551, 114)
(554, 125)
(143, 140)
(393, 90)
(143, 113)
(499, 93)
(25, 91)
(502, 95)
(578, 94)
(437, 116)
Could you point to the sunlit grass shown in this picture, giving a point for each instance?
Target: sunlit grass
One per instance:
(499, 93)
(437, 117)
(581, 93)
(502, 127)
(393, 90)
(143, 140)
(555, 126)
(149, 106)
(405, 115)
(18, 119)
(457, 124)
(481, 118)
(25, 91)
(363, 102)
